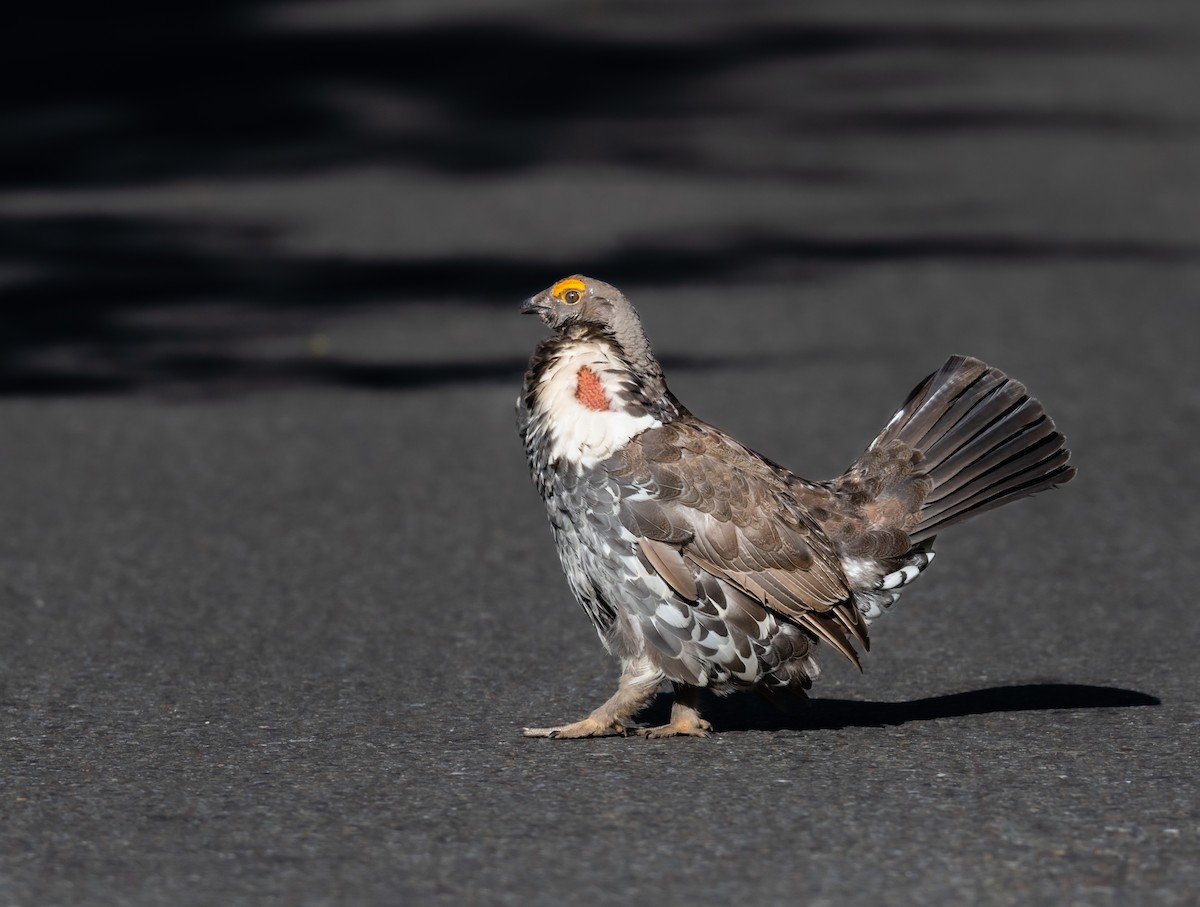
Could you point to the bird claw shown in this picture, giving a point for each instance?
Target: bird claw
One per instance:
(697, 727)
(588, 727)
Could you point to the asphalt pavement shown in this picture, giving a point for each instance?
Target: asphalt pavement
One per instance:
(277, 593)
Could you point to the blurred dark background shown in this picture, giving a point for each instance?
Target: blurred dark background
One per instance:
(276, 594)
(178, 180)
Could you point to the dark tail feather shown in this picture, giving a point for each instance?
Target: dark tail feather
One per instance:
(984, 442)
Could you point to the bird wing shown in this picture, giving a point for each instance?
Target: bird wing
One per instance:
(701, 501)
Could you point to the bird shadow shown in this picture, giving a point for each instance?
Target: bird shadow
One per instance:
(753, 713)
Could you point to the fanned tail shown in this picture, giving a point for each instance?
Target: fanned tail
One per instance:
(983, 442)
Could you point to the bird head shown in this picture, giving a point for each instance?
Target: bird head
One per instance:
(583, 301)
(579, 300)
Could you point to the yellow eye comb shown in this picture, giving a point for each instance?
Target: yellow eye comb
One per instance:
(560, 289)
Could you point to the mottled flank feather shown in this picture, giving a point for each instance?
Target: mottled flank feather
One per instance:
(704, 564)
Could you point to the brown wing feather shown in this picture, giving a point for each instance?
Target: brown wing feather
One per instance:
(667, 561)
(723, 509)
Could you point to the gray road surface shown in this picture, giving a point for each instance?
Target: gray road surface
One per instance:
(277, 595)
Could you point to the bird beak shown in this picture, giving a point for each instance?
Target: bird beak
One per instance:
(533, 306)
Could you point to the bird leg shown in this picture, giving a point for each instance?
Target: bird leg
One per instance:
(633, 692)
(685, 717)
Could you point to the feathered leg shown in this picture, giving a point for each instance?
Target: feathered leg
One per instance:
(637, 687)
(685, 717)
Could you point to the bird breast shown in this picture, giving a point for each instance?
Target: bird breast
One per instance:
(580, 397)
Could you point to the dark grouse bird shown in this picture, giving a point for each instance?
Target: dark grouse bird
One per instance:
(704, 564)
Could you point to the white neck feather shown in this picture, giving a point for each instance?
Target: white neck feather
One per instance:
(577, 433)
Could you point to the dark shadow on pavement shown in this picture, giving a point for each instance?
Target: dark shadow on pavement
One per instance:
(751, 713)
(115, 304)
(235, 88)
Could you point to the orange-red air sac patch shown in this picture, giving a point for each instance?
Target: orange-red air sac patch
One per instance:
(589, 391)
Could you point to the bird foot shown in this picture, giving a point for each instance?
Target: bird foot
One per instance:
(688, 726)
(588, 727)
(637, 686)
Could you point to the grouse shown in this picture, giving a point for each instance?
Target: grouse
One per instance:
(704, 564)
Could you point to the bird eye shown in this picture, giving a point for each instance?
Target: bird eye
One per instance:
(569, 290)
